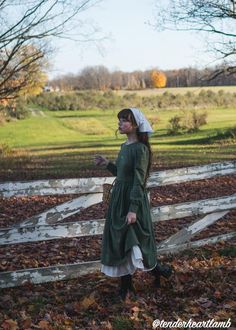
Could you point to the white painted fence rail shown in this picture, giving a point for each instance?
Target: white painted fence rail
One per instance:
(62, 211)
(93, 185)
(48, 226)
(41, 232)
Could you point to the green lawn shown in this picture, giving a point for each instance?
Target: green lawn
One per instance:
(62, 144)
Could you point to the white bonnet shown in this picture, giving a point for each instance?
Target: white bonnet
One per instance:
(141, 120)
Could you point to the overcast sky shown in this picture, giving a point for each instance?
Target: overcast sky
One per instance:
(132, 43)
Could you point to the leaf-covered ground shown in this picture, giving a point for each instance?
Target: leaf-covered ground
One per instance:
(202, 287)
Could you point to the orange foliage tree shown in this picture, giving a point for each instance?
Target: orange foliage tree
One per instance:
(24, 75)
(158, 79)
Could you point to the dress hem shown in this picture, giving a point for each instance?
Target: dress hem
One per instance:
(134, 261)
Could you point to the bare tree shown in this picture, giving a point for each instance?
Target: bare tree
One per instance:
(31, 25)
(217, 18)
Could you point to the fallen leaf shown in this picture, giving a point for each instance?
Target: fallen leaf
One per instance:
(106, 325)
(222, 315)
(26, 324)
(217, 294)
(88, 301)
(135, 311)
(10, 324)
(230, 304)
(45, 325)
(68, 322)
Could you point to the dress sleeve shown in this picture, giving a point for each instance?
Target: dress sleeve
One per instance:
(112, 168)
(141, 159)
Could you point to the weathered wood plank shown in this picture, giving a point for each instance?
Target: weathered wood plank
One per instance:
(62, 211)
(203, 206)
(195, 244)
(94, 185)
(49, 232)
(46, 231)
(185, 234)
(70, 271)
(191, 173)
(47, 274)
(54, 187)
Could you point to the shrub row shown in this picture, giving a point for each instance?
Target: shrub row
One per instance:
(110, 100)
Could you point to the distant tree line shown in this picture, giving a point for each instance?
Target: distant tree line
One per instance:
(214, 18)
(100, 78)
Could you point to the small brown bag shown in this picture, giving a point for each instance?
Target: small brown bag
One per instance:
(107, 188)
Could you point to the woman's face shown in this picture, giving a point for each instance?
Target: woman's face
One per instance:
(125, 126)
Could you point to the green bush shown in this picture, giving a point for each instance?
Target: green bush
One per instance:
(17, 109)
(174, 125)
(193, 120)
(189, 122)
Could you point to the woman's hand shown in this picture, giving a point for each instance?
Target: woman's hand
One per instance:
(100, 160)
(131, 218)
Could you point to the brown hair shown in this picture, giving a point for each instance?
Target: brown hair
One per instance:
(142, 136)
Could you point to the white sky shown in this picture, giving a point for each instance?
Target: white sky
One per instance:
(132, 43)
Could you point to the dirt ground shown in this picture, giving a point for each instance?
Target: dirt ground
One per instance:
(201, 288)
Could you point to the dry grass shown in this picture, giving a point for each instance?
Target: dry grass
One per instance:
(179, 90)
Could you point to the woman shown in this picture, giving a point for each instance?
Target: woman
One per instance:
(128, 239)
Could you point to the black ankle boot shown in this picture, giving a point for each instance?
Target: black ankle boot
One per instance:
(126, 286)
(161, 270)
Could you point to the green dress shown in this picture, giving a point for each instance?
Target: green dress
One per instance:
(129, 194)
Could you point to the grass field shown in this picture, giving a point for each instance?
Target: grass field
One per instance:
(63, 143)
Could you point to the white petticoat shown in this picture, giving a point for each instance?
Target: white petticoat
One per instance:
(133, 262)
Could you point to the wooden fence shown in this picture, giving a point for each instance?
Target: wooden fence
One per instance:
(48, 226)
